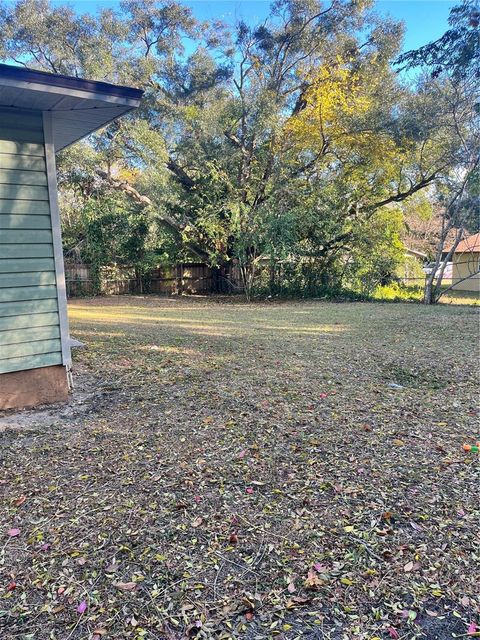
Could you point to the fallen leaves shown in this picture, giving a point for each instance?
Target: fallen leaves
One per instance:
(297, 601)
(170, 493)
(13, 532)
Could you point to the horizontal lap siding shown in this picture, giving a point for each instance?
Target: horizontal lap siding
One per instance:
(30, 362)
(19, 162)
(30, 307)
(25, 265)
(25, 236)
(20, 176)
(22, 192)
(18, 252)
(25, 207)
(20, 221)
(29, 321)
(27, 279)
(45, 319)
(33, 334)
(12, 294)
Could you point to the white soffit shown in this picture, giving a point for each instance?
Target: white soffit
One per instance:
(78, 106)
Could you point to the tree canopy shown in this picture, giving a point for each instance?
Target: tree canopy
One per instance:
(281, 142)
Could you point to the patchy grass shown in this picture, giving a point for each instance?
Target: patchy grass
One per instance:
(247, 471)
(414, 293)
(461, 297)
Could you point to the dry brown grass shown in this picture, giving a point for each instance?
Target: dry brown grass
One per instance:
(246, 471)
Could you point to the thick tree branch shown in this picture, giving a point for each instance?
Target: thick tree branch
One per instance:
(180, 173)
(235, 141)
(354, 210)
(403, 195)
(176, 227)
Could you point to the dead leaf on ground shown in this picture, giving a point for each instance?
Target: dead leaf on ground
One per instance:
(197, 522)
(126, 586)
(312, 580)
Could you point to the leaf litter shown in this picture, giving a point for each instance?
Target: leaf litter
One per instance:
(253, 476)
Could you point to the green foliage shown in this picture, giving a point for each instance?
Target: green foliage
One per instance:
(411, 269)
(112, 231)
(396, 292)
(376, 255)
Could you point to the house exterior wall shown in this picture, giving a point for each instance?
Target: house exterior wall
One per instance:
(465, 264)
(30, 322)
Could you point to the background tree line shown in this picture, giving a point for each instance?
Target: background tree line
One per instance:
(292, 148)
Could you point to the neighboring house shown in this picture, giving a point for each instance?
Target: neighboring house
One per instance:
(40, 113)
(411, 269)
(413, 253)
(466, 264)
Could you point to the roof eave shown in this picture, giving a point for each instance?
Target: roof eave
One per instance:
(78, 107)
(89, 133)
(65, 85)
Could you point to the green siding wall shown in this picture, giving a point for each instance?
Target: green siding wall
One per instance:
(29, 321)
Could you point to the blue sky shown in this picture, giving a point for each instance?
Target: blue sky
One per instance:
(425, 20)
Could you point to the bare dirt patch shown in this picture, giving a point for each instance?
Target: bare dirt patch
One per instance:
(83, 399)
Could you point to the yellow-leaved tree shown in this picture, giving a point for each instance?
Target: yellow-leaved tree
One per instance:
(369, 141)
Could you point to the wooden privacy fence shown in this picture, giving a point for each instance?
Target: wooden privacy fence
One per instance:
(195, 278)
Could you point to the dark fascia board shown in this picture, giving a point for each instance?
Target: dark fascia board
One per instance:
(23, 74)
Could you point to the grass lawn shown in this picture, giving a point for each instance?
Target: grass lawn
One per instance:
(461, 297)
(249, 471)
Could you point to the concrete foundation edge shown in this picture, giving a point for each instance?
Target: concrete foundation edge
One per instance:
(33, 387)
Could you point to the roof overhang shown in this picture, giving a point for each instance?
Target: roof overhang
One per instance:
(79, 107)
(415, 254)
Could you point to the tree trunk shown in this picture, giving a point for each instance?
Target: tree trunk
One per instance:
(272, 285)
(428, 292)
(138, 281)
(216, 280)
(248, 276)
(179, 279)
